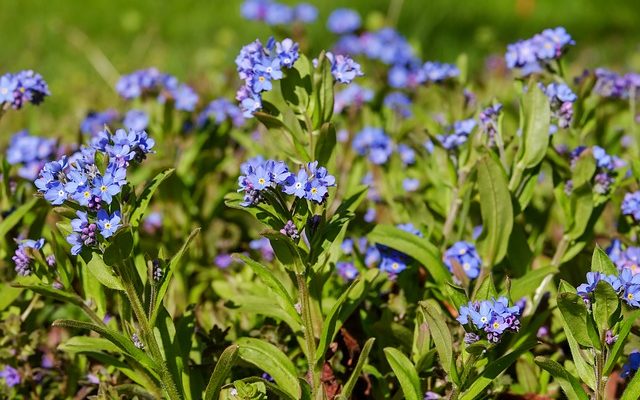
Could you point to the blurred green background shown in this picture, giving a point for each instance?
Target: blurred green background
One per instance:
(81, 48)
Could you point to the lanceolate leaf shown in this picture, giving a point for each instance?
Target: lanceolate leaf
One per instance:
(441, 337)
(623, 332)
(496, 209)
(574, 314)
(537, 114)
(605, 305)
(570, 385)
(173, 265)
(220, 372)
(345, 394)
(405, 372)
(103, 273)
(600, 262)
(12, 219)
(273, 361)
(145, 197)
(419, 248)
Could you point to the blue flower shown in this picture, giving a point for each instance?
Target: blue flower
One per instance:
(30, 151)
(108, 224)
(438, 72)
(343, 68)
(370, 215)
(136, 120)
(305, 12)
(218, 111)
(343, 20)
(393, 262)
(346, 270)
(373, 143)
(632, 364)
(491, 317)
(459, 133)
(353, 95)
(297, 184)
(410, 184)
(399, 103)
(631, 205)
(409, 227)
(287, 52)
(527, 55)
(8, 85)
(465, 255)
(95, 122)
(407, 154)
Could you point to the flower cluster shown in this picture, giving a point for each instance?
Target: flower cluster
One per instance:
(606, 171)
(374, 143)
(218, 111)
(151, 82)
(561, 98)
(491, 317)
(391, 48)
(136, 120)
(457, 134)
(627, 285)
(78, 177)
(392, 261)
(529, 55)
(343, 68)
(353, 95)
(464, 255)
(624, 258)
(258, 65)
(613, 85)
(311, 182)
(87, 227)
(24, 87)
(22, 257)
(31, 152)
(274, 13)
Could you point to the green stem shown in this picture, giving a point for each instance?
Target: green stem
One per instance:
(560, 251)
(456, 203)
(309, 335)
(147, 332)
(466, 369)
(600, 380)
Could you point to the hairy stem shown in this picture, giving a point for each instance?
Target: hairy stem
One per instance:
(147, 332)
(309, 335)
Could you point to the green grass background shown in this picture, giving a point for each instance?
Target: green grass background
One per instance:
(81, 47)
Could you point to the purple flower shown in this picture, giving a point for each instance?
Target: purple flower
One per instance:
(631, 205)
(399, 103)
(218, 111)
(410, 184)
(458, 134)
(305, 12)
(353, 95)
(343, 68)
(223, 260)
(10, 375)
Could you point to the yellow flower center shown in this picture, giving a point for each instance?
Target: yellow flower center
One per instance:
(103, 188)
(261, 181)
(87, 194)
(261, 79)
(496, 325)
(630, 296)
(107, 225)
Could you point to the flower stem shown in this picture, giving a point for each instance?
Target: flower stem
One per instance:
(147, 332)
(309, 335)
(560, 251)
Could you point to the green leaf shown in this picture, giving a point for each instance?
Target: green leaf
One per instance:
(345, 393)
(273, 361)
(632, 391)
(120, 247)
(145, 197)
(326, 143)
(456, 294)
(570, 385)
(600, 262)
(441, 335)
(496, 209)
(342, 309)
(118, 339)
(625, 327)
(537, 115)
(12, 219)
(530, 282)
(323, 85)
(493, 370)
(86, 344)
(269, 120)
(220, 372)
(103, 273)
(405, 372)
(574, 315)
(276, 288)
(486, 289)
(52, 292)
(173, 266)
(605, 306)
(419, 248)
